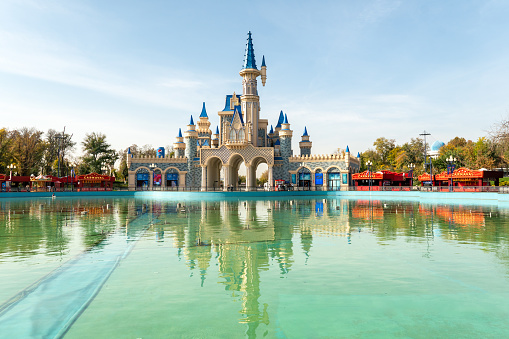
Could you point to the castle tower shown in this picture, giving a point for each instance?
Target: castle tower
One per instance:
(179, 146)
(204, 132)
(250, 101)
(285, 137)
(215, 138)
(270, 136)
(191, 140)
(305, 144)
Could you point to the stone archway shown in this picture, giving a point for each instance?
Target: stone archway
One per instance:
(213, 174)
(233, 170)
(251, 172)
(142, 178)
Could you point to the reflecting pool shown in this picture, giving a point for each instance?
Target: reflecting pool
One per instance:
(300, 268)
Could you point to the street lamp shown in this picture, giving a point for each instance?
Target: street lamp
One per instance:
(451, 164)
(411, 173)
(10, 167)
(369, 163)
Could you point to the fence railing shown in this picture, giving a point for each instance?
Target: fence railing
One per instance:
(493, 189)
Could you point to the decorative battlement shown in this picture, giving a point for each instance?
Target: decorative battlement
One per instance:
(318, 157)
(165, 160)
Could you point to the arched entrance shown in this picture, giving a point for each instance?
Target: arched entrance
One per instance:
(214, 166)
(233, 171)
(142, 178)
(333, 179)
(251, 170)
(172, 179)
(304, 178)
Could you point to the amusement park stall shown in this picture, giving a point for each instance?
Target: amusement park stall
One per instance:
(369, 180)
(463, 179)
(95, 182)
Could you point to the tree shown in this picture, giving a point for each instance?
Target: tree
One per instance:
(264, 177)
(56, 142)
(98, 153)
(383, 147)
(5, 152)
(27, 150)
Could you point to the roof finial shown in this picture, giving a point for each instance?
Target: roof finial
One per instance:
(305, 132)
(249, 57)
(203, 112)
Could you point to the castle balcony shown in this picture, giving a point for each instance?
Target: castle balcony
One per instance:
(233, 143)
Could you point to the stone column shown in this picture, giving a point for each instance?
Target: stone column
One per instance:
(313, 180)
(270, 177)
(182, 180)
(150, 180)
(132, 180)
(204, 178)
(163, 181)
(249, 176)
(226, 176)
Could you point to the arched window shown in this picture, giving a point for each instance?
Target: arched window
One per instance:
(242, 135)
(233, 135)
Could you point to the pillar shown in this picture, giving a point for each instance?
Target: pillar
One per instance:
(204, 178)
(271, 177)
(150, 180)
(313, 180)
(182, 180)
(249, 176)
(131, 179)
(226, 176)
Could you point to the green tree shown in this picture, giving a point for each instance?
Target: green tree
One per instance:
(98, 153)
(55, 142)
(5, 150)
(27, 150)
(383, 147)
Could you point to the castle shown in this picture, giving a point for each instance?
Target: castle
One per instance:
(210, 161)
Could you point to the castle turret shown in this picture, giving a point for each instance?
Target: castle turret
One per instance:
(129, 156)
(191, 140)
(215, 138)
(203, 129)
(285, 137)
(179, 146)
(305, 144)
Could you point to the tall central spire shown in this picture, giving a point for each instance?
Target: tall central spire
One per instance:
(249, 57)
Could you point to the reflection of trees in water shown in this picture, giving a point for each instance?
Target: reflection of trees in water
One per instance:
(45, 226)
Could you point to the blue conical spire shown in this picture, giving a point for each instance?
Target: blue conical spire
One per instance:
(203, 112)
(263, 61)
(180, 132)
(191, 122)
(286, 120)
(305, 132)
(249, 57)
(271, 130)
(358, 154)
(281, 119)
(217, 130)
(347, 149)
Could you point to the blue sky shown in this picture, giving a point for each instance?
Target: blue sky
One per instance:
(351, 71)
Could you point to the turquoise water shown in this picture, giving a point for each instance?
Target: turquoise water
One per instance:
(301, 268)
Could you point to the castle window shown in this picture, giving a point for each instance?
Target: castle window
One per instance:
(233, 135)
(242, 135)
